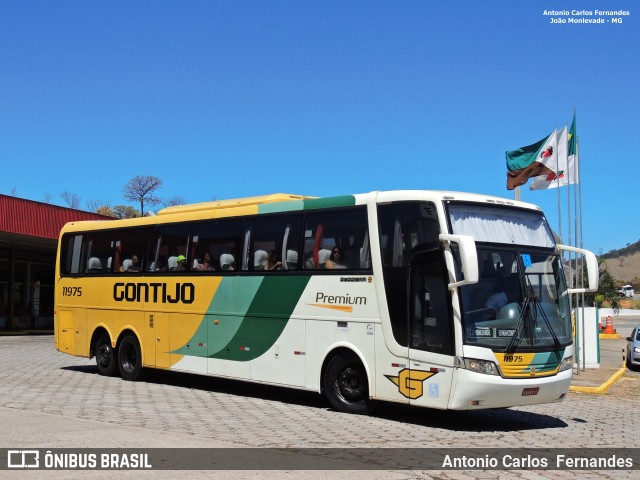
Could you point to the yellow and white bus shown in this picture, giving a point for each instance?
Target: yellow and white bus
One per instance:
(437, 299)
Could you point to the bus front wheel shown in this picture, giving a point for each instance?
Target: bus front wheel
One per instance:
(130, 358)
(105, 358)
(346, 386)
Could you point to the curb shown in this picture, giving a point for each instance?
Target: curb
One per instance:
(604, 336)
(602, 389)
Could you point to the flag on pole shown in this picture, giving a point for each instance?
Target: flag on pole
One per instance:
(573, 164)
(560, 173)
(531, 161)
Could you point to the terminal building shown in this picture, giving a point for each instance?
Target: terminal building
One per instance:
(28, 241)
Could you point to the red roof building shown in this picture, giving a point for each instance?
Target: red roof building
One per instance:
(28, 241)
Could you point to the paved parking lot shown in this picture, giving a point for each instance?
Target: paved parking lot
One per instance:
(52, 400)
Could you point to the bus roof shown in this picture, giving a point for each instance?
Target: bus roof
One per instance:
(281, 202)
(231, 203)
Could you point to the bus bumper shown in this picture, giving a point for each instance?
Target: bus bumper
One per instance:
(478, 391)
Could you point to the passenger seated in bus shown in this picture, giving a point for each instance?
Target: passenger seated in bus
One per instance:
(160, 265)
(135, 264)
(336, 260)
(273, 261)
(204, 263)
(131, 264)
(182, 264)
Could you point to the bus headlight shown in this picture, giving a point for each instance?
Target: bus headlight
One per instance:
(481, 366)
(566, 364)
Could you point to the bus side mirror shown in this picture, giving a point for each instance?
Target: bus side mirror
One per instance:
(468, 258)
(592, 269)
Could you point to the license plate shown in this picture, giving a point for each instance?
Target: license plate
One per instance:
(527, 392)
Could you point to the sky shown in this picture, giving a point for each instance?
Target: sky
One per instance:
(227, 99)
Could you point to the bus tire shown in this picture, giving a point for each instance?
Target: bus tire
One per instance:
(346, 385)
(105, 356)
(130, 358)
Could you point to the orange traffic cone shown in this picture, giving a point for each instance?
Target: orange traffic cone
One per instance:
(609, 328)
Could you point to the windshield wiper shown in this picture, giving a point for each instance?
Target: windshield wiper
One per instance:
(515, 338)
(530, 299)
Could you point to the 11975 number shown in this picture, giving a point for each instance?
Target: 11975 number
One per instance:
(71, 291)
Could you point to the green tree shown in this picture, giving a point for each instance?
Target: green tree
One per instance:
(105, 210)
(607, 291)
(142, 189)
(125, 211)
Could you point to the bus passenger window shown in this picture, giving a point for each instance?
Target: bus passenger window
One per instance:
(337, 240)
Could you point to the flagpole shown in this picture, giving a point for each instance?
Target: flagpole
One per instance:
(570, 260)
(571, 283)
(579, 185)
(559, 209)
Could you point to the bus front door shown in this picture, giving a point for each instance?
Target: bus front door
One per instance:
(431, 337)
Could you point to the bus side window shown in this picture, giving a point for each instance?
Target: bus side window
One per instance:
(337, 239)
(272, 242)
(71, 254)
(221, 240)
(169, 242)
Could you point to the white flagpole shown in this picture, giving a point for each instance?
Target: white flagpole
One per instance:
(568, 224)
(579, 186)
(559, 209)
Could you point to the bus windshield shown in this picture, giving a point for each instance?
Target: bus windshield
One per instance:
(519, 301)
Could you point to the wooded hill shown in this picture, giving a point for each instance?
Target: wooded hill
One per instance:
(624, 263)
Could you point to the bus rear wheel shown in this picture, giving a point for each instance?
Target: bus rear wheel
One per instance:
(130, 358)
(105, 357)
(346, 385)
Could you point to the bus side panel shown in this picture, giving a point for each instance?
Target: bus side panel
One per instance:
(116, 321)
(72, 332)
(188, 344)
(388, 385)
(229, 346)
(324, 336)
(284, 361)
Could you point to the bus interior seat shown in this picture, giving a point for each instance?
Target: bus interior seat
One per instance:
(323, 256)
(308, 263)
(260, 258)
(94, 265)
(227, 261)
(126, 263)
(292, 260)
(172, 263)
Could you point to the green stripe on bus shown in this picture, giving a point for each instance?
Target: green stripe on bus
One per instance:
(342, 201)
(546, 361)
(266, 318)
(281, 207)
(265, 306)
(225, 314)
